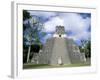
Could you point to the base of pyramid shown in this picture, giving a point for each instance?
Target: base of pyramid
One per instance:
(61, 51)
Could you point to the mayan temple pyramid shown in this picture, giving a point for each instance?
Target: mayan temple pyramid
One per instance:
(60, 50)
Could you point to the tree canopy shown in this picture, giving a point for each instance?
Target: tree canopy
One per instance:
(32, 34)
(86, 47)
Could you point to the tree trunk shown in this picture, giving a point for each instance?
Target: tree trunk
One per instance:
(28, 55)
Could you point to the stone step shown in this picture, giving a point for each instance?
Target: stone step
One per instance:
(60, 52)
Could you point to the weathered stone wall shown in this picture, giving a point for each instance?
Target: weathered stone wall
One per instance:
(64, 48)
(46, 54)
(74, 52)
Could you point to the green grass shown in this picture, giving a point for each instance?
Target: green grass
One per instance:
(42, 66)
(29, 66)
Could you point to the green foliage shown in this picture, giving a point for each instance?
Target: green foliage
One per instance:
(32, 31)
(26, 15)
(86, 48)
(34, 28)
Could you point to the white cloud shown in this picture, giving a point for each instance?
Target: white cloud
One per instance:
(83, 35)
(71, 21)
(74, 22)
(46, 37)
(50, 25)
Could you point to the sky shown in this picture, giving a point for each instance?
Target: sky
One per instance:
(77, 25)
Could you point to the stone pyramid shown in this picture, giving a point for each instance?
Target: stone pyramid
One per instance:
(60, 50)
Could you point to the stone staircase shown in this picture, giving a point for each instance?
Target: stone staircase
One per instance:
(60, 51)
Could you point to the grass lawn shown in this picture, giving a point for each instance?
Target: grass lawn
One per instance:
(41, 66)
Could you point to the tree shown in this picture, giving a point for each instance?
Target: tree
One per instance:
(32, 31)
(86, 48)
(26, 15)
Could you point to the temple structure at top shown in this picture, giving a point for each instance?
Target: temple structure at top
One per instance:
(60, 32)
